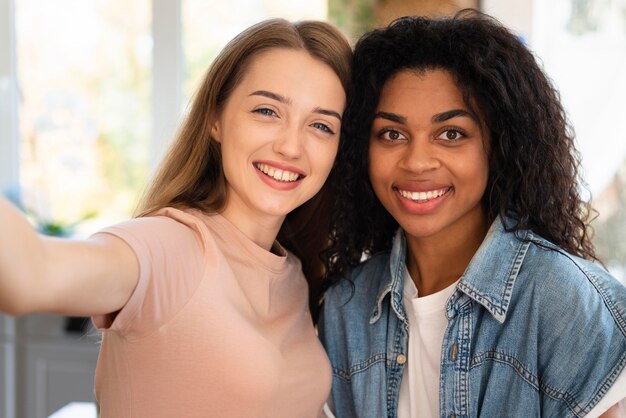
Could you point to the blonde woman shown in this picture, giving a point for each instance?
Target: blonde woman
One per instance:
(203, 312)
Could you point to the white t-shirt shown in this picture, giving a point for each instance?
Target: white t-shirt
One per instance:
(419, 389)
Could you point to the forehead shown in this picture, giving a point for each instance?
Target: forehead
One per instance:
(286, 64)
(421, 90)
(294, 73)
(274, 56)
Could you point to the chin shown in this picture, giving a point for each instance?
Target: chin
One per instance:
(420, 229)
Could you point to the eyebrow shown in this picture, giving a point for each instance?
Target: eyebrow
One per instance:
(438, 118)
(285, 100)
(444, 116)
(327, 112)
(391, 116)
(271, 95)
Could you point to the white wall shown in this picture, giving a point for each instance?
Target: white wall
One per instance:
(587, 69)
(515, 14)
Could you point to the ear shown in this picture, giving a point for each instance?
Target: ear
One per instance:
(216, 128)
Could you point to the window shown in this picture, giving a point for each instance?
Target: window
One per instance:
(87, 140)
(84, 114)
(208, 26)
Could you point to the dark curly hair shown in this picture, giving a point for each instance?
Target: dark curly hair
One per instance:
(533, 164)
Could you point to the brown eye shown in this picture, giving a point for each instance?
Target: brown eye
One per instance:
(391, 135)
(451, 135)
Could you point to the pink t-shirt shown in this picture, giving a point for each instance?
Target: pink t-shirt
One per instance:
(216, 327)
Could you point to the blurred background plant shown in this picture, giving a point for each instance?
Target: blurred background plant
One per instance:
(38, 209)
(59, 228)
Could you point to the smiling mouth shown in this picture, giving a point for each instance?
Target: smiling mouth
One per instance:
(423, 197)
(278, 174)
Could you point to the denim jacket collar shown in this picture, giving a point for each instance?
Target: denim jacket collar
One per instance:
(395, 283)
(488, 279)
(491, 275)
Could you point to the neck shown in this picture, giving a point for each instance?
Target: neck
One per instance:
(262, 230)
(437, 261)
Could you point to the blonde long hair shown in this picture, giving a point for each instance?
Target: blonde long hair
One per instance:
(191, 174)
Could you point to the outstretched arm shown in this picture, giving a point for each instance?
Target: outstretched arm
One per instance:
(42, 274)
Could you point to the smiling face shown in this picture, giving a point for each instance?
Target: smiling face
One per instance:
(428, 161)
(279, 134)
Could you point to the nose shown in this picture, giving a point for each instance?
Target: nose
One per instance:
(289, 143)
(420, 156)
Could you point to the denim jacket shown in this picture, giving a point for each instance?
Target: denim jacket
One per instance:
(532, 331)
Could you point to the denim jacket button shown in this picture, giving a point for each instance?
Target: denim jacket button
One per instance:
(453, 352)
(401, 359)
(452, 415)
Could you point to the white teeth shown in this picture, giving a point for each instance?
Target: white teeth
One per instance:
(277, 174)
(423, 196)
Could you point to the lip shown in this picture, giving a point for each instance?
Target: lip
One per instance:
(420, 186)
(276, 184)
(422, 207)
(281, 166)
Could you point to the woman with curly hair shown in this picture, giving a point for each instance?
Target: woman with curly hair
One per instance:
(480, 295)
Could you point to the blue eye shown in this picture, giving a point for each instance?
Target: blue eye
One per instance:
(323, 127)
(265, 111)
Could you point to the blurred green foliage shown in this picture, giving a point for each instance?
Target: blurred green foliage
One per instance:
(354, 17)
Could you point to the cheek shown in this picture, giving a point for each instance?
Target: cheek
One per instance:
(230, 156)
(476, 175)
(484, 168)
(323, 156)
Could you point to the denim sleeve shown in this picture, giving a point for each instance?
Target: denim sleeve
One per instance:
(583, 342)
